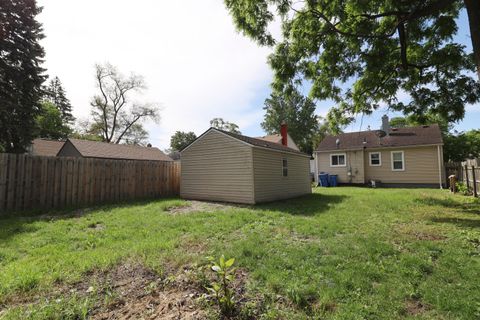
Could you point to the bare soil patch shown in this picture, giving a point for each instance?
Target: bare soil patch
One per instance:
(133, 291)
(415, 307)
(203, 206)
(141, 293)
(419, 233)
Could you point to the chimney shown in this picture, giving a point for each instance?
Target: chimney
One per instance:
(386, 124)
(283, 132)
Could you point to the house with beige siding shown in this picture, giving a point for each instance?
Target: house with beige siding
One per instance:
(411, 156)
(228, 167)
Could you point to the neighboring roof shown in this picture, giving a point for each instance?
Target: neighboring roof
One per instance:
(254, 142)
(398, 137)
(45, 147)
(95, 149)
(276, 138)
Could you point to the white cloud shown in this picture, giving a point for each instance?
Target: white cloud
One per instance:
(195, 63)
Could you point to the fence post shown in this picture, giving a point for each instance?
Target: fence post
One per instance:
(474, 182)
(466, 178)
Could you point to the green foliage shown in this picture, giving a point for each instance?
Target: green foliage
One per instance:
(221, 287)
(136, 135)
(398, 122)
(55, 94)
(361, 54)
(462, 188)
(299, 114)
(21, 76)
(461, 146)
(221, 124)
(50, 123)
(181, 139)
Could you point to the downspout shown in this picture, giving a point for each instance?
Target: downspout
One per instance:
(315, 158)
(439, 167)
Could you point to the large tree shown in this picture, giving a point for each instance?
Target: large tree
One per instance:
(221, 124)
(116, 117)
(55, 94)
(299, 114)
(21, 76)
(362, 54)
(181, 139)
(50, 123)
(459, 146)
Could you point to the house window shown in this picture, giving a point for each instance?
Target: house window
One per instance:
(375, 159)
(284, 167)
(338, 160)
(398, 161)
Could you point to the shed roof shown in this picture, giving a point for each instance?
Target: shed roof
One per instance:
(95, 149)
(397, 137)
(258, 142)
(46, 147)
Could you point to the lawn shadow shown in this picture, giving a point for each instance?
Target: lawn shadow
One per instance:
(307, 205)
(461, 222)
(473, 207)
(13, 223)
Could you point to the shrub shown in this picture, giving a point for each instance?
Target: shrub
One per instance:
(462, 188)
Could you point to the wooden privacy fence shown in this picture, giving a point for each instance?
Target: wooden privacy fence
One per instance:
(467, 174)
(28, 182)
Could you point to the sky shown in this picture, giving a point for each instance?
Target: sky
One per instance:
(196, 65)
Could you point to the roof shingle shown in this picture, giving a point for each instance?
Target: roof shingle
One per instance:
(45, 147)
(261, 143)
(398, 137)
(95, 149)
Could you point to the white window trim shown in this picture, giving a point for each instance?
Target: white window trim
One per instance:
(379, 158)
(403, 160)
(338, 165)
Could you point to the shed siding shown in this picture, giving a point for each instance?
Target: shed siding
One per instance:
(69, 150)
(421, 166)
(217, 168)
(270, 184)
(354, 162)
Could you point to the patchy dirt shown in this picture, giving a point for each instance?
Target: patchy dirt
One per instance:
(141, 293)
(427, 236)
(203, 206)
(128, 291)
(131, 291)
(419, 233)
(97, 226)
(415, 307)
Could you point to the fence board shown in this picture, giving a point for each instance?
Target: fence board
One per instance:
(468, 175)
(3, 180)
(28, 182)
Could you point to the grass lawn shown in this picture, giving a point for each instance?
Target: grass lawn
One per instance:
(339, 253)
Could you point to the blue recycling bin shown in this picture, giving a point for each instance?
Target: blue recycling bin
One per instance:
(323, 179)
(333, 181)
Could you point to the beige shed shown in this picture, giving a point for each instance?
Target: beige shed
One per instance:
(223, 166)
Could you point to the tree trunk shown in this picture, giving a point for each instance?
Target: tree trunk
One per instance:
(473, 10)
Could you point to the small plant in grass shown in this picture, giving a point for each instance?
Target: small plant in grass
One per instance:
(220, 288)
(462, 188)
